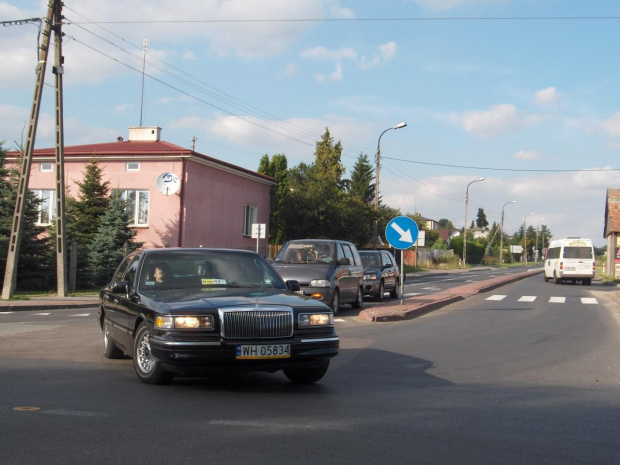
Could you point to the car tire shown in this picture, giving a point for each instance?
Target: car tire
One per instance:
(545, 276)
(307, 375)
(110, 350)
(359, 301)
(147, 367)
(586, 282)
(335, 305)
(379, 294)
(395, 293)
(556, 280)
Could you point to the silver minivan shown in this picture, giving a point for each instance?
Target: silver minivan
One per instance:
(327, 270)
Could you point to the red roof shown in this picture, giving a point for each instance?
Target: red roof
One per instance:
(135, 149)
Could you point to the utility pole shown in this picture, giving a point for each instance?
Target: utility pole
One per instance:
(10, 274)
(61, 238)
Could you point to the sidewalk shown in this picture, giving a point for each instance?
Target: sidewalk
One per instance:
(412, 307)
(49, 303)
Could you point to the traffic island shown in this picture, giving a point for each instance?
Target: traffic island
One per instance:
(413, 307)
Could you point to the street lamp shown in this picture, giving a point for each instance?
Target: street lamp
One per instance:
(501, 236)
(537, 228)
(378, 162)
(465, 228)
(525, 238)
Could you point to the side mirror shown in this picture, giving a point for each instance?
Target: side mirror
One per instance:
(344, 261)
(293, 285)
(121, 287)
(269, 260)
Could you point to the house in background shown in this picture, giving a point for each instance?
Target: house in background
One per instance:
(612, 232)
(177, 197)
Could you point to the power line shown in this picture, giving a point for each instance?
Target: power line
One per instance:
(503, 169)
(340, 20)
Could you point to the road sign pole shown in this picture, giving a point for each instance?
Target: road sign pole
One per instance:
(402, 276)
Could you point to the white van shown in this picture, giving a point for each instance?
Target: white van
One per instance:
(570, 259)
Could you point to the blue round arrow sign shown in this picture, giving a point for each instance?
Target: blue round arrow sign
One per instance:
(401, 232)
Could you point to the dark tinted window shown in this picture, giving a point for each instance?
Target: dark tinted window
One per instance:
(578, 252)
(348, 254)
(554, 253)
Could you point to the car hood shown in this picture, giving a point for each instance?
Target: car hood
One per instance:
(371, 270)
(174, 299)
(302, 272)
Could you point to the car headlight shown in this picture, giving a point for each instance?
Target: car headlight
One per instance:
(371, 277)
(316, 319)
(320, 283)
(184, 322)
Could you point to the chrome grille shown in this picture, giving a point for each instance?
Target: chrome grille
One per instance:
(257, 323)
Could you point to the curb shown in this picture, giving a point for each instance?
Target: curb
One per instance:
(414, 307)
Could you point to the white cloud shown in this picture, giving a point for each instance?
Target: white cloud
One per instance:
(526, 155)
(612, 125)
(499, 119)
(550, 95)
(333, 77)
(386, 53)
(291, 70)
(322, 53)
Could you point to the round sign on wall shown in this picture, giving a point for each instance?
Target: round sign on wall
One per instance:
(168, 183)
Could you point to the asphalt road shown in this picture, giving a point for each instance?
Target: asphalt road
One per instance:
(527, 373)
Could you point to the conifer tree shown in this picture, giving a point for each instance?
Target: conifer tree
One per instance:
(36, 258)
(112, 241)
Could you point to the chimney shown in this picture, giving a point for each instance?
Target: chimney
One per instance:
(145, 133)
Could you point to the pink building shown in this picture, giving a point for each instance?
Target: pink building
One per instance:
(177, 197)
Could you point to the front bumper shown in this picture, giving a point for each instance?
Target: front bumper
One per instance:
(197, 355)
(371, 287)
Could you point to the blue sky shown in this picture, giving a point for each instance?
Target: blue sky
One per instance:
(488, 88)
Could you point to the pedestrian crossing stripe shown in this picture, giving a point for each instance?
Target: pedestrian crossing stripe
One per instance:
(552, 300)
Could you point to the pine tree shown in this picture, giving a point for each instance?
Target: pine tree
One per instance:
(481, 219)
(111, 242)
(277, 168)
(361, 186)
(36, 257)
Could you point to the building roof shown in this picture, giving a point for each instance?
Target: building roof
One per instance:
(139, 150)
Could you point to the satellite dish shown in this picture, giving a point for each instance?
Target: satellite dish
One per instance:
(168, 183)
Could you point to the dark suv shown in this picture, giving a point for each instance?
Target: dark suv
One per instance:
(380, 274)
(327, 270)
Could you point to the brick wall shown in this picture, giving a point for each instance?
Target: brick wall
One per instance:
(612, 212)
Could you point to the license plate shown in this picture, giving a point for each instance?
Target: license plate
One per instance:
(571, 268)
(262, 351)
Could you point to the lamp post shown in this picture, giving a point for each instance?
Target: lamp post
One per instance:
(537, 228)
(378, 166)
(501, 236)
(465, 228)
(525, 238)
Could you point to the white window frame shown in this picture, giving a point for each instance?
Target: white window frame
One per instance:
(250, 216)
(46, 167)
(138, 217)
(128, 166)
(47, 206)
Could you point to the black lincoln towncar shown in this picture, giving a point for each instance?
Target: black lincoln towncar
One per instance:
(191, 311)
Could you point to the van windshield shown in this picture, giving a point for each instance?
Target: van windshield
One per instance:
(578, 252)
(307, 252)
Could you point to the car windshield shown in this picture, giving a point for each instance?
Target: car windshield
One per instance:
(208, 269)
(370, 260)
(307, 252)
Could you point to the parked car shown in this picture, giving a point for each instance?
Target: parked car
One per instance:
(380, 274)
(186, 311)
(327, 270)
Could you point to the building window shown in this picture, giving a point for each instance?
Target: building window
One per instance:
(47, 206)
(250, 214)
(137, 206)
(46, 167)
(132, 166)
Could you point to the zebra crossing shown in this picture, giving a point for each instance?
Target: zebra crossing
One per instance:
(552, 300)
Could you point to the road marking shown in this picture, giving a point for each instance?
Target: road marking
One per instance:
(6, 313)
(527, 298)
(589, 300)
(340, 320)
(431, 288)
(496, 297)
(74, 413)
(26, 409)
(413, 294)
(557, 300)
(41, 314)
(81, 314)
